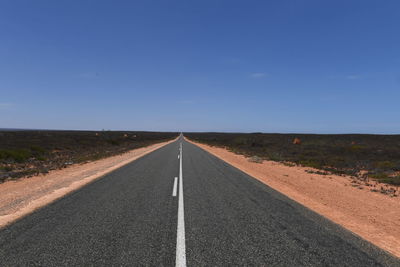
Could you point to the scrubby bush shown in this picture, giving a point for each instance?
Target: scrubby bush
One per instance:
(17, 155)
(30, 152)
(342, 154)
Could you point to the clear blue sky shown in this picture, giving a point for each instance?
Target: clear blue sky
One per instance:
(209, 65)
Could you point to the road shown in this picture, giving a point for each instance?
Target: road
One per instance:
(219, 217)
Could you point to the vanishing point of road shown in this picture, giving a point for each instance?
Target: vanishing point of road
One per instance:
(181, 206)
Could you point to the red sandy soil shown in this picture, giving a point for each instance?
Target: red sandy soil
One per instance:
(23, 196)
(371, 215)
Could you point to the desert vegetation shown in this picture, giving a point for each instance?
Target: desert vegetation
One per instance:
(28, 153)
(365, 157)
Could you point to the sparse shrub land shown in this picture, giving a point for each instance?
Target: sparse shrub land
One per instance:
(27, 153)
(363, 156)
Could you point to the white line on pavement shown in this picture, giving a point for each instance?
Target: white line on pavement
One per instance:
(175, 187)
(180, 237)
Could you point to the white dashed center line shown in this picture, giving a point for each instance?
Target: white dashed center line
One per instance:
(175, 187)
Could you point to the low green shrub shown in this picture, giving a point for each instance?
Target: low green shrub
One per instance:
(379, 176)
(385, 165)
(17, 155)
(311, 163)
(6, 168)
(391, 180)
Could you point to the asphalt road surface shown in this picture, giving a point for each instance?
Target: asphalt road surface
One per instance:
(219, 216)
